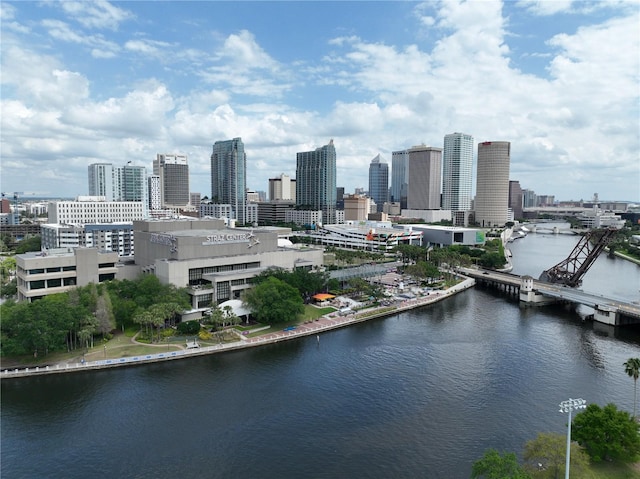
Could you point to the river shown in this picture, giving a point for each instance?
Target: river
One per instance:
(420, 394)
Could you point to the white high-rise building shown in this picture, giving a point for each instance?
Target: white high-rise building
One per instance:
(101, 180)
(492, 186)
(282, 188)
(457, 171)
(119, 183)
(155, 198)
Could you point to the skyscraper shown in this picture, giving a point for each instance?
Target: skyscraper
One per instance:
(515, 199)
(316, 181)
(400, 177)
(132, 181)
(379, 182)
(101, 180)
(425, 178)
(173, 171)
(229, 176)
(457, 166)
(119, 183)
(492, 186)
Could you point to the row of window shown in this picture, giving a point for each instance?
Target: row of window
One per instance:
(51, 270)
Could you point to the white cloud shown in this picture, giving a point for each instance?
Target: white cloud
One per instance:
(96, 13)
(148, 47)
(41, 79)
(242, 51)
(546, 7)
(99, 47)
(140, 112)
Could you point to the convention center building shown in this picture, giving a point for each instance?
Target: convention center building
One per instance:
(214, 262)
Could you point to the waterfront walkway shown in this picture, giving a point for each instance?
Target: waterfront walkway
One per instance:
(325, 323)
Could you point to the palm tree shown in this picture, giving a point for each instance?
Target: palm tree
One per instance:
(632, 368)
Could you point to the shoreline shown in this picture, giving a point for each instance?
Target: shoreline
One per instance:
(325, 323)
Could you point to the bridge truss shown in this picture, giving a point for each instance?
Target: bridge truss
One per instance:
(570, 271)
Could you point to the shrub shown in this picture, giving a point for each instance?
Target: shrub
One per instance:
(188, 327)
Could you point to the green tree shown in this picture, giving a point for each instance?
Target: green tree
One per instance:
(9, 289)
(274, 301)
(104, 313)
(216, 317)
(31, 243)
(494, 465)
(546, 456)
(632, 368)
(607, 433)
(229, 316)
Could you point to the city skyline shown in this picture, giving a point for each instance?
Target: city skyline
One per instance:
(88, 82)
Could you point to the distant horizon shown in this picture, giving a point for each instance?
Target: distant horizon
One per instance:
(31, 197)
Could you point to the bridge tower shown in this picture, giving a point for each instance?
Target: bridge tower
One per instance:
(570, 271)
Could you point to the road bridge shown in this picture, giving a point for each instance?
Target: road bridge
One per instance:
(607, 309)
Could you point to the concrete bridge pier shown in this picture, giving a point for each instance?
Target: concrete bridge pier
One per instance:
(606, 314)
(530, 296)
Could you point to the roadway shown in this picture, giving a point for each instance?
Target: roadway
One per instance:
(558, 291)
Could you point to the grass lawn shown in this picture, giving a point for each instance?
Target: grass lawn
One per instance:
(311, 312)
(614, 470)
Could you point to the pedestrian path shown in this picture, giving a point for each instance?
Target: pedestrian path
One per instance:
(325, 323)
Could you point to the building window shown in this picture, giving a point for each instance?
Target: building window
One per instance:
(69, 281)
(54, 283)
(36, 271)
(37, 284)
(68, 268)
(204, 300)
(223, 291)
(53, 270)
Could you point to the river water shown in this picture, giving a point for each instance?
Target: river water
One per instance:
(421, 394)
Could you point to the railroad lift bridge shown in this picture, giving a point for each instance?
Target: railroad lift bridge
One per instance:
(560, 283)
(571, 270)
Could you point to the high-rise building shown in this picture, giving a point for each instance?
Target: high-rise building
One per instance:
(425, 178)
(316, 181)
(379, 182)
(528, 198)
(400, 177)
(457, 171)
(155, 197)
(492, 185)
(229, 176)
(101, 179)
(282, 188)
(515, 199)
(119, 183)
(132, 182)
(340, 197)
(173, 171)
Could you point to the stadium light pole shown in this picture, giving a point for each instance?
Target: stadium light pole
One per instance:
(568, 406)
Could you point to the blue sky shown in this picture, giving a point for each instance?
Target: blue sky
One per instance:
(86, 82)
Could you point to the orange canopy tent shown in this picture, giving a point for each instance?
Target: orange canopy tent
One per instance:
(323, 296)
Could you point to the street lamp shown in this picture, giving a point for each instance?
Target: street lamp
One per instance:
(568, 406)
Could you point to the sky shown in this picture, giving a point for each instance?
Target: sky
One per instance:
(97, 81)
